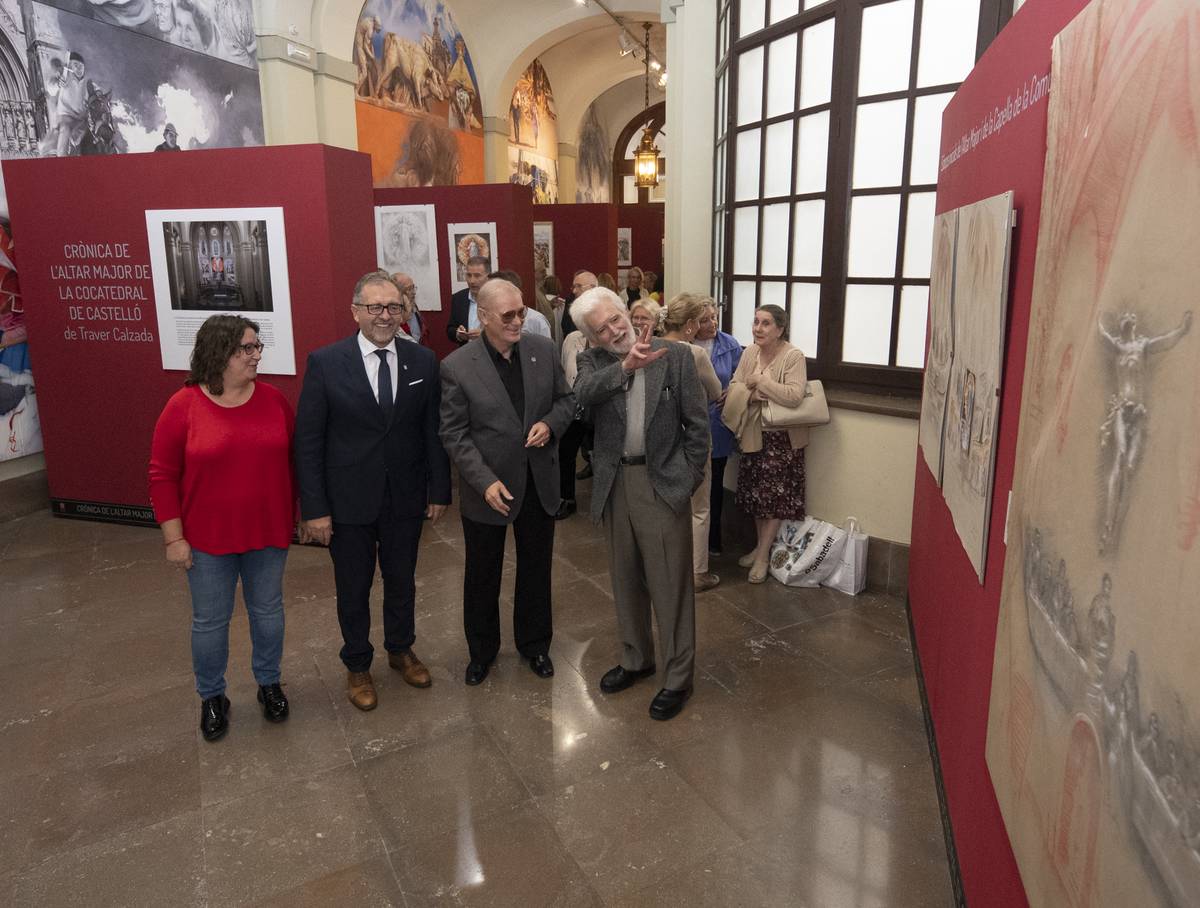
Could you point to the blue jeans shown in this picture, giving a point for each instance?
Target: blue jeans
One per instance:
(213, 581)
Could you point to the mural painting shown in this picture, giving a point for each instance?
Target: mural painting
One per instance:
(593, 168)
(1094, 726)
(418, 108)
(533, 135)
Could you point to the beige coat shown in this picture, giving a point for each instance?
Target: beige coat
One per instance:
(783, 383)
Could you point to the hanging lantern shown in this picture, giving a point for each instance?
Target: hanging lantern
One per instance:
(646, 161)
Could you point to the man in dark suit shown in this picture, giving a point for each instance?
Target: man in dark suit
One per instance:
(505, 402)
(370, 469)
(464, 318)
(651, 446)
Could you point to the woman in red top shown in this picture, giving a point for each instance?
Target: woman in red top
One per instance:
(221, 485)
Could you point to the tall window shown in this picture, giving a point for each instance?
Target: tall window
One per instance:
(828, 117)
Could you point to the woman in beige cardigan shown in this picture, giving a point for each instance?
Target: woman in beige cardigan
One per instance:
(770, 485)
(679, 321)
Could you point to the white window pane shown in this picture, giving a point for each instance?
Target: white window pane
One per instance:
(816, 64)
(867, 335)
(752, 16)
(948, 33)
(720, 188)
(879, 144)
(750, 76)
(812, 152)
(886, 48)
(777, 175)
(806, 310)
(743, 312)
(629, 191)
(775, 239)
(910, 341)
(808, 235)
(874, 223)
(781, 76)
(745, 241)
(927, 137)
(773, 294)
(918, 234)
(783, 9)
(722, 100)
(719, 242)
(809, 4)
(745, 183)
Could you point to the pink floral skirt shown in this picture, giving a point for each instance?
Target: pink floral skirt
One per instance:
(771, 481)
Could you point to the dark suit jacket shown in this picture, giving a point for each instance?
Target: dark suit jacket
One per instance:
(677, 434)
(460, 313)
(345, 453)
(485, 436)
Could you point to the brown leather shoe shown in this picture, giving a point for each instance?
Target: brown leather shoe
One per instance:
(361, 690)
(413, 670)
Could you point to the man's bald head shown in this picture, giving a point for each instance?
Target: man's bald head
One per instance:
(584, 281)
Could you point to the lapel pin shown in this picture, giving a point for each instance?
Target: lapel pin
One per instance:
(406, 368)
(533, 359)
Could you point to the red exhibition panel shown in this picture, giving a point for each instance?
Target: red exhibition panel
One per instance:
(585, 238)
(509, 206)
(993, 140)
(100, 380)
(648, 223)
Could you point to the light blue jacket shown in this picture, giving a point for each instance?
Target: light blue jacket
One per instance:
(726, 354)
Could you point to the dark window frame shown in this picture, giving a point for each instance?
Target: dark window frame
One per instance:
(838, 194)
(656, 116)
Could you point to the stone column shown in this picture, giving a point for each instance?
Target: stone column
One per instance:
(567, 160)
(495, 149)
(285, 74)
(333, 84)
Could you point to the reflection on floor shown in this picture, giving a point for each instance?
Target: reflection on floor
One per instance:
(797, 775)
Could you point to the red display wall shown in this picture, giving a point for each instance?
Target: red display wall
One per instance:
(99, 398)
(509, 206)
(648, 224)
(993, 140)
(585, 238)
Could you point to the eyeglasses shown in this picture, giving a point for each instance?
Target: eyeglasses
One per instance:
(251, 349)
(377, 308)
(511, 314)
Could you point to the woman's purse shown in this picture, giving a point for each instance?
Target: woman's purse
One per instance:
(812, 411)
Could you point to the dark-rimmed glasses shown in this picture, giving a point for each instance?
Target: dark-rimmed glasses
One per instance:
(251, 349)
(377, 308)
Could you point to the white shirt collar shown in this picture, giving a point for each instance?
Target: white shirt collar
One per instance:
(369, 348)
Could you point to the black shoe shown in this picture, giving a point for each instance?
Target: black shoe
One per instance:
(566, 509)
(542, 666)
(476, 672)
(619, 678)
(214, 717)
(274, 703)
(667, 703)
(586, 472)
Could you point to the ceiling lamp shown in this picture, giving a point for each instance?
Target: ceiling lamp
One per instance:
(627, 44)
(645, 159)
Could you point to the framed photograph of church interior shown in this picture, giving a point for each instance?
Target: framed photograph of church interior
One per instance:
(206, 261)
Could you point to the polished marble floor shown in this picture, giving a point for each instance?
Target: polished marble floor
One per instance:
(798, 775)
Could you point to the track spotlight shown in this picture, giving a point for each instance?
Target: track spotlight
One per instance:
(627, 44)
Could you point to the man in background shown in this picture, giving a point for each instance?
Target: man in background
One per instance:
(464, 311)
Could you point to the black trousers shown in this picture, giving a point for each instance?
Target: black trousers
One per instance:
(568, 453)
(355, 548)
(532, 623)
(716, 498)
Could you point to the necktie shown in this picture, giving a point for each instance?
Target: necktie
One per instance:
(385, 385)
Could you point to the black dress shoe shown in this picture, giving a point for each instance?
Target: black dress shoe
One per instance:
(566, 509)
(542, 666)
(619, 678)
(476, 672)
(214, 717)
(667, 703)
(274, 703)
(586, 472)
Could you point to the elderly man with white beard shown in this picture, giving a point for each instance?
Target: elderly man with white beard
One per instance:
(651, 444)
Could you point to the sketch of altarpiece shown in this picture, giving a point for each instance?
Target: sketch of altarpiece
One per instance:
(941, 341)
(406, 241)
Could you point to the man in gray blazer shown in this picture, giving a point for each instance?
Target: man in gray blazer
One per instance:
(652, 443)
(505, 403)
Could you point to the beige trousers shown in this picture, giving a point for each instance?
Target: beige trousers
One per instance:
(701, 505)
(650, 561)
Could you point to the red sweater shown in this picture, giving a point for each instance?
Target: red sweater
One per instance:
(226, 471)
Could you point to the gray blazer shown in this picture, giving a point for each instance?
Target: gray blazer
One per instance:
(677, 430)
(485, 436)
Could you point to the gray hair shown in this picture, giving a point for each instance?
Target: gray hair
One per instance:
(477, 260)
(587, 302)
(374, 277)
(493, 289)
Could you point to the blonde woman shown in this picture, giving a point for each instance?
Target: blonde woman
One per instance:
(771, 472)
(645, 313)
(680, 322)
(634, 290)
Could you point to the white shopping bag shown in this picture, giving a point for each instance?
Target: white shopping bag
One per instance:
(806, 552)
(850, 576)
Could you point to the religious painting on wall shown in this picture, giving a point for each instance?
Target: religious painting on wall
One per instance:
(1094, 725)
(406, 241)
(934, 391)
(980, 307)
(417, 100)
(533, 135)
(20, 430)
(221, 260)
(543, 247)
(593, 165)
(466, 242)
